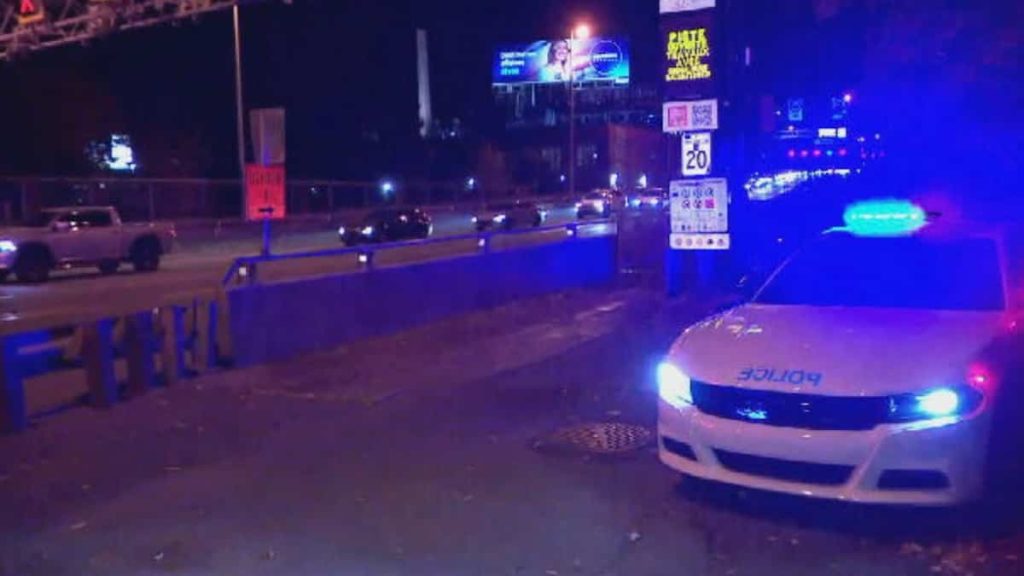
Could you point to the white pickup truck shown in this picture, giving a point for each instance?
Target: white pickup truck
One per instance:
(80, 236)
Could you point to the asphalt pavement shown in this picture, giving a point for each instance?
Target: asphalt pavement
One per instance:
(196, 269)
(437, 451)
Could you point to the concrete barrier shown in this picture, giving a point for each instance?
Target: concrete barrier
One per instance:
(272, 322)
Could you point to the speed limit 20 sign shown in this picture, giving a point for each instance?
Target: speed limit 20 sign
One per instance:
(697, 154)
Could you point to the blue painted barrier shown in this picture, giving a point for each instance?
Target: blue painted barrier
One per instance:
(275, 322)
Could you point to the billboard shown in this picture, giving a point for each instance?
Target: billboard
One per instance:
(550, 62)
(688, 47)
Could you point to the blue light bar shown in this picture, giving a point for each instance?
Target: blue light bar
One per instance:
(884, 218)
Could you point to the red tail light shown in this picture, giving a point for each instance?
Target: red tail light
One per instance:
(980, 377)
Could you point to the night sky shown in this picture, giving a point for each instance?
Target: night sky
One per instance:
(344, 69)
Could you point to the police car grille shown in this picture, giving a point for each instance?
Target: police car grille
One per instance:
(807, 411)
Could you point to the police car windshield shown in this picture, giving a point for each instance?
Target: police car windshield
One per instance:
(891, 273)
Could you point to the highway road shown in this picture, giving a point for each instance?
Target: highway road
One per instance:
(197, 268)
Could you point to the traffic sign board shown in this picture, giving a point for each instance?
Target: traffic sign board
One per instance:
(699, 213)
(30, 11)
(696, 153)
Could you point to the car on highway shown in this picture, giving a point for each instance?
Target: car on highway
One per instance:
(388, 225)
(594, 204)
(882, 363)
(80, 236)
(648, 199)
(509, 215)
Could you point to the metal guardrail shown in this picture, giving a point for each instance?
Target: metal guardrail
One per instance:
(159, 347)
(244, 269)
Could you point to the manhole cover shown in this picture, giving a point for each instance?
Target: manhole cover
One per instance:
(600, 438)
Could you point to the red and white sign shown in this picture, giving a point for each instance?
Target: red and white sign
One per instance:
(30, 11)
(669, 6)
(264, 192)
(691, 115)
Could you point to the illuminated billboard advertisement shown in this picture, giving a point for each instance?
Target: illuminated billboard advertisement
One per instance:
(550, 62)
(688, 44)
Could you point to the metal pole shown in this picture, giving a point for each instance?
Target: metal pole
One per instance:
(239, 110)
(572, 115)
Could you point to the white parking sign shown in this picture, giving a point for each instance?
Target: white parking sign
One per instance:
(696, 153)
(699, 212)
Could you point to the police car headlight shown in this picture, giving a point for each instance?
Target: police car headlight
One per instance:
(674, 386)
(368, 231)
(8, 246)
(936, 403)
(499, 218)
(341, 230)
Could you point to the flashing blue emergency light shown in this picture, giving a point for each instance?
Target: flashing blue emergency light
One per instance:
(890, 217)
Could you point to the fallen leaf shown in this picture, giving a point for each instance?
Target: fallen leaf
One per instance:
(634, 536)
(158, 556)
(614, 413)
(79, 525)
(1011, 557)
(551, 572)
(172, 468)
(86, 487)
(794, 541)
(270, 554)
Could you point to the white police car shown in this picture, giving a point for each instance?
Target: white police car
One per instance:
(882, 364)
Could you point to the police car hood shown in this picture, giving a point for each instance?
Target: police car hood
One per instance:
(835, 351)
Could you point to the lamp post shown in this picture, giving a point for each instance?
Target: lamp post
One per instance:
(580, 32)
(239, 111)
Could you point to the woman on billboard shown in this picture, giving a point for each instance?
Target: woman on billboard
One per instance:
(558, 67)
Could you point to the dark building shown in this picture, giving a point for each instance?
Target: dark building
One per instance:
(618, 135)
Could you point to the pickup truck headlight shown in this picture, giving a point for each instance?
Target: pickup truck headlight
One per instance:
(8, 246)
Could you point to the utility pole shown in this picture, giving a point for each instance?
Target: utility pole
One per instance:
(239, 110)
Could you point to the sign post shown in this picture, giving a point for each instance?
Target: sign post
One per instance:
(699, 202)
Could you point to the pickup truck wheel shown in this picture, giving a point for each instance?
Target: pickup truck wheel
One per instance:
(4, 274)
(33, 265)
(145, 255)
(108, 267)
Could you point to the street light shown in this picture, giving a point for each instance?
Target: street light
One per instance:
(580, 32)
